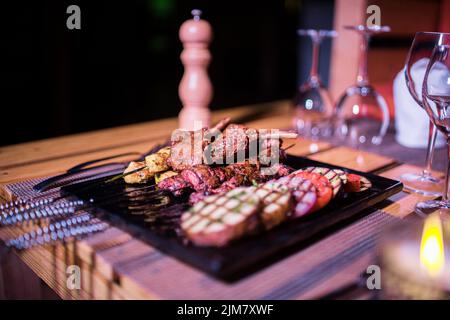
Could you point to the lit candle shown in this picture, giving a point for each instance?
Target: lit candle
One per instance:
(415, 261)
(432, 254)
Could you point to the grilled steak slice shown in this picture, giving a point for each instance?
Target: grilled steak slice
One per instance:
(215, 180)
(201, 177)
(276, 199)
(176, 184)
(219, 219)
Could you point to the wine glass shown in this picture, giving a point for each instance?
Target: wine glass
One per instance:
(362, 114)
(419, 53)
(436, 100)
(312, 102)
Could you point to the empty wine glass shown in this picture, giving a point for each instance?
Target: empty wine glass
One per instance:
(436, 100)
(313, 103)
(418, 57)
(362, 114)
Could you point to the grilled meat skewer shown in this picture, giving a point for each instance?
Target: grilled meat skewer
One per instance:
(204, 146)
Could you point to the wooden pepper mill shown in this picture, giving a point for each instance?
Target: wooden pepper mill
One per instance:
(195, 88)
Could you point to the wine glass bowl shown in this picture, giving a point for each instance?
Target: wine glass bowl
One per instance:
(312, 102)
(313, 107)
(436, 101)
(362, 114)
(423, 182)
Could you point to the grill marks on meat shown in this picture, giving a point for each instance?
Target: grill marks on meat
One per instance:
(219, 219)
(216, 220)
(276, 199)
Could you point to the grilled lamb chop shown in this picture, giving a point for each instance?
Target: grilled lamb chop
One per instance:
(239, 143)
(210, 146)
(184, 152)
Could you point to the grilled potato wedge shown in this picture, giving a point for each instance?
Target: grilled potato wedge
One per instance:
(142, 176)
(157, 162)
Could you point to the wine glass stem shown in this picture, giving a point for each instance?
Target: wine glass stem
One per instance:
(447, 172)
(314, 72)
(430, 150)
(362, 78)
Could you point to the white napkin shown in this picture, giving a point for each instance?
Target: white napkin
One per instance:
(411, 121)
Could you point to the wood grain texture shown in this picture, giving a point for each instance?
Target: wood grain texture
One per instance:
(130, 135)
(54, 156)
(353, 159)
(404, 203)
(116, 266)
(303, 147)
(396, 172)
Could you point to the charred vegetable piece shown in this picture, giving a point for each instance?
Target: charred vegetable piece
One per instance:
(141, 176)
(164, 175)
(304, 193)
(276, 199)
(357, 183)
(336, 177)
(219, 219)
(157, 162)
(323, 187)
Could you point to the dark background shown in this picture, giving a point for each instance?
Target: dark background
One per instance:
(123, 65)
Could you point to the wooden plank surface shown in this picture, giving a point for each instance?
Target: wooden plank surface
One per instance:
(116, 266)
(53, 156)
(353, 159)
(101, 140)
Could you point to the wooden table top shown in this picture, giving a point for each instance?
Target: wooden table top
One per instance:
(122, 267)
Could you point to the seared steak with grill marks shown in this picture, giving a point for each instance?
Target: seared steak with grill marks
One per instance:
(219, 219)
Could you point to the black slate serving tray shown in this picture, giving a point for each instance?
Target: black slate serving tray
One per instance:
(160, 227)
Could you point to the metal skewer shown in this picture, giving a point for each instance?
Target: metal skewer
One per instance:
(59, 209)
(42, 200)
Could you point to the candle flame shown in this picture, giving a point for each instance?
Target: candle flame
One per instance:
(432, 256)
